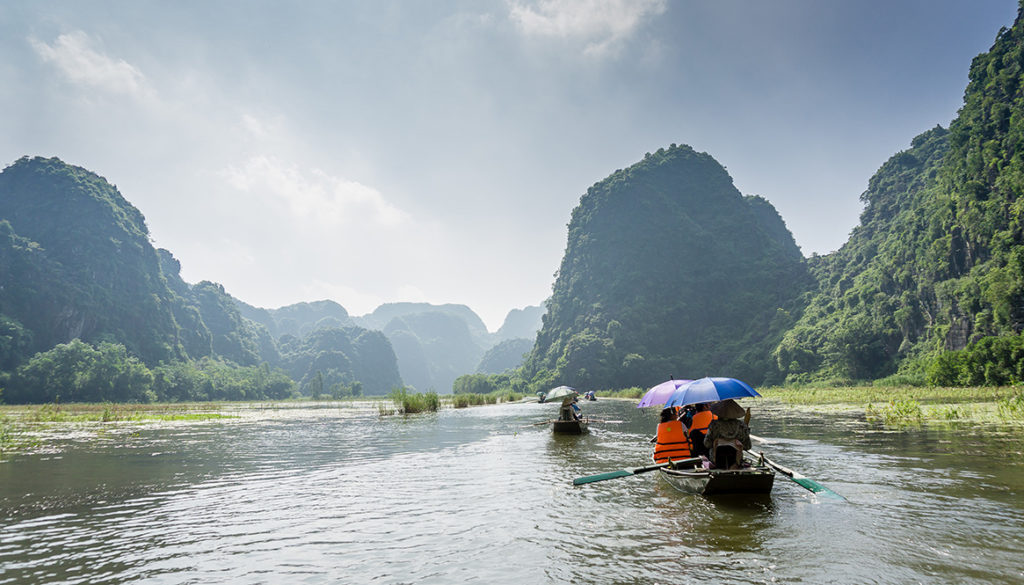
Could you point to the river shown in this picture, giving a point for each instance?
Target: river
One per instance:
(339, 494)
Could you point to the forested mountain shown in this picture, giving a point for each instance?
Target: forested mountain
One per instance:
(84, 295)
(434, 348)
(521, 324)
(299, 319)
(384, 314)
(77, 263)
(505, 356)
(669, 271)
(937, 261)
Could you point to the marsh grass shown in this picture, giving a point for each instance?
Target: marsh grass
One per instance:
(7, 434)
(1012, 407)
(19, 424)
(897, 413)
(467, 399)
(115, 412)
(912, 405)
(631, 393)
(407, 402)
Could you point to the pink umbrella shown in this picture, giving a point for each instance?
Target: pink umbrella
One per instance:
(660, 394)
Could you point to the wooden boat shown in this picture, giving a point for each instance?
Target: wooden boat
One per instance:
(756, 479)
(569, 427)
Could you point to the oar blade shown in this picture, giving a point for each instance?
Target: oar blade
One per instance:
(816, 487)
(602, 476)
(801, 480)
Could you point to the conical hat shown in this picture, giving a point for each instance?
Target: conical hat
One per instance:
(728, 409)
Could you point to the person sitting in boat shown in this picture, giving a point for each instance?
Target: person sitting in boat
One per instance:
(702, 417)
(570, 410)
(728, 436)
(671, 442)
(686, 414)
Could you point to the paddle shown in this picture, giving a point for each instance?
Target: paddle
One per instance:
(801, 480)
(629, 472)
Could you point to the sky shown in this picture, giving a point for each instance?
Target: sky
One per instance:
(384, 151)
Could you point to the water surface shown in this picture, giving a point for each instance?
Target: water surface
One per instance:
(338, 494)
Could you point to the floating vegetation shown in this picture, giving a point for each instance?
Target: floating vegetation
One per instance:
(116, 412)
(6, 434)
(897, 412)
(1013, 407)
(884, 394)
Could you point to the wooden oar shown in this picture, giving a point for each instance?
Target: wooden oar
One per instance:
(800, 479)
(543, 422)
(629, 472)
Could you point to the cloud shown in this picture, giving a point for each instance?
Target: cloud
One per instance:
(73, 56)
(601, 24)
(315, 195)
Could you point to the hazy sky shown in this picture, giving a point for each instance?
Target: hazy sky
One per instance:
(380, 151)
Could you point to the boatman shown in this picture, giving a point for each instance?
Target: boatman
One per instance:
(671, 442)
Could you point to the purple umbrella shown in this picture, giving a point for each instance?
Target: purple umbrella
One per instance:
(659, 394)
(710, 390)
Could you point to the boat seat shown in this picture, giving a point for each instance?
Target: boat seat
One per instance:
(727, 454)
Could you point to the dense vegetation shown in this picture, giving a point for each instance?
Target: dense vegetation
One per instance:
(669, 270)
(79, 372)
(937, 261)
(504, 356)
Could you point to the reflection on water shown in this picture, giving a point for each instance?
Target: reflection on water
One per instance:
(341, 495)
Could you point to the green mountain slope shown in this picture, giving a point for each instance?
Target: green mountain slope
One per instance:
(82, 265)
(669, 271)
(937, 260)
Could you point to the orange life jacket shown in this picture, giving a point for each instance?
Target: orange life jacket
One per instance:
(702, 420)
(671, 442)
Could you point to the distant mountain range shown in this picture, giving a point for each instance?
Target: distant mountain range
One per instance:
(76, 263)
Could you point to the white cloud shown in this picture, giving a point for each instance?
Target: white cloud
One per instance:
(601, 24)
(72, 54)
(315, 195)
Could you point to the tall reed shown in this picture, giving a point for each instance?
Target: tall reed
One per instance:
(411, 403)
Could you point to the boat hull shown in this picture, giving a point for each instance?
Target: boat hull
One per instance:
(750, 480)
(569, 427)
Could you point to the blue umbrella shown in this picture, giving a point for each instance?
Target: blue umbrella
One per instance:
(710, 390)
(657, 395)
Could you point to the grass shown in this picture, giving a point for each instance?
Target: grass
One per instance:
(870, 394)
(113, 412)
(913, 405)
(407, 402)
(467, 399)
(632, 393)
(19, 424)
(8, 435)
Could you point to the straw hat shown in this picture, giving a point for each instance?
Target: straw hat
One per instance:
(728, 409)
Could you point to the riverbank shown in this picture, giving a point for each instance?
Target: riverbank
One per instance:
(903, 405)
